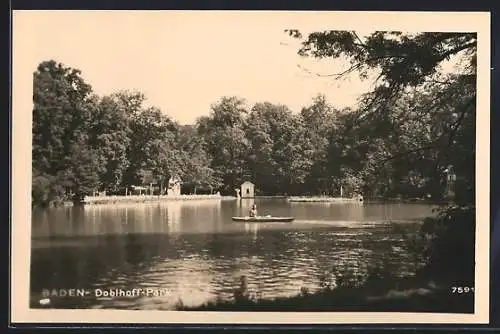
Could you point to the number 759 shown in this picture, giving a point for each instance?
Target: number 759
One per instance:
(462, 289)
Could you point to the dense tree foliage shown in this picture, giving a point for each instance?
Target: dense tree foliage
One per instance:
(225, 141)
(83, 143)
(409, 129)
(61, 123)
(414, 127)
(415, 132)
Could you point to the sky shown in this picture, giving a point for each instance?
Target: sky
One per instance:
(184, 62)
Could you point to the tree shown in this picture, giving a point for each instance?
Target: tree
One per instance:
(407, 64)
(226, 142)
(280, 155)
(423, 120)
(197, 172)
(320, 121)
(262, 132)
(61, 117)
(59, 114)
(152, 145)
(400, 59)
(110, 136)
(84, 171)
(40, 189)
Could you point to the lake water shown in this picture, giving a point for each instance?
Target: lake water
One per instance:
(192, 250)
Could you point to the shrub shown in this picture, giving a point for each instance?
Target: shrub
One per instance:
(449, 253)
(40, 190)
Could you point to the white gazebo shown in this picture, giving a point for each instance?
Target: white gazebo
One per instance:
(247, 189)
(174, 186)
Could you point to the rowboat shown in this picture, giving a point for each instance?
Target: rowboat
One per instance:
(263, 219)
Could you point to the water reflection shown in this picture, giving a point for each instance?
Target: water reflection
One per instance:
(195, 251)
(252, 229)
(174, 212)
(159, 217)
(245, 204)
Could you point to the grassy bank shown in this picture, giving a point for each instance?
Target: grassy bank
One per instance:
(403, 295)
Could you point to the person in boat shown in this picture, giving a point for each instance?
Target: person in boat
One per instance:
(253, 211)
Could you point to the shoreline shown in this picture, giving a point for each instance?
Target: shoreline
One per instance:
(320, 199)
(99, 200)
(96, 200)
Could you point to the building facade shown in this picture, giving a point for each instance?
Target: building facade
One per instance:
(174, 186)
(247, 190)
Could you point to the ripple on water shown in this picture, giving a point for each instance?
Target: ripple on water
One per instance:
(276, 263)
